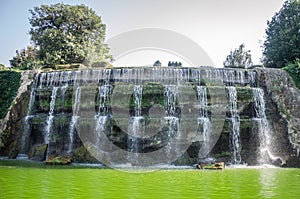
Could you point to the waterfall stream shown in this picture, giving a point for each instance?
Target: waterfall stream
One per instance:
(49, 120)
(74, 118)
(171, 118)
(203, 121)
(235, 140)
(104, 94)
(136, 126)
(264, 134)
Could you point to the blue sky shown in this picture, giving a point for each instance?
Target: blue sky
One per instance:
(217, 26)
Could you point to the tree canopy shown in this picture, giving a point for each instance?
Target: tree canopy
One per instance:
(282, 44)
(157, 63)
(239, 58)
(25, 59)
(66, 34)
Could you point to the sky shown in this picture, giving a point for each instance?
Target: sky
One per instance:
(217, 26)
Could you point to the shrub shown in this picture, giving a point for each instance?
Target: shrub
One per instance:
(9, 85)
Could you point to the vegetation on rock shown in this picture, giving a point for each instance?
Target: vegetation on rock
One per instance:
(58, 160)
(294, 70)
(9, 85)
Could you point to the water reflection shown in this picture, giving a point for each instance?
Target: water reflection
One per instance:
(268, 181)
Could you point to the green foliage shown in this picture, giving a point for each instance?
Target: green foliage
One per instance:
(282, 43)
(175, 64)
(157, 63)
(68, 34)
(294, 70)
(2, 67)
(25, 59)
(239, 58)
(9, 85)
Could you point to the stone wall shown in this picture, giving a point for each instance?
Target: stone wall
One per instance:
(283, 104)
(282, 110)
(12, 125)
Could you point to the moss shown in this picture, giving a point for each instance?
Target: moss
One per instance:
(59, 160)
(21, 163)
(9, 85)
(223, 154)
(244, 91)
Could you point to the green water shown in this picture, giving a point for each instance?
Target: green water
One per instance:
(18, 182)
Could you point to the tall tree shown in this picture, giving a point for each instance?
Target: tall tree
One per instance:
(239, 58)
(25, 59)
(282, 44)
(68, 34)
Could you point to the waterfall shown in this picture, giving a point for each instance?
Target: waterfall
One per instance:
(25, 135)
(203, 120)
(136, 126)
(171, 118)
(50, 117)
(74, 118)
(104, 94)
(174, 99)
(138, 91)
(170, 100)
(235, 141)
(264, 136)
(63, 91)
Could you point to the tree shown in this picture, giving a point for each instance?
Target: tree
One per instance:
(282, 44)
(25, 59)
(66, 34)
(157, 63)
(294, 70)
(175, 64)
(2, 66)
(239, 58)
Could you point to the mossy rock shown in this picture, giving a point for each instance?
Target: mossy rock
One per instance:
(59, 160)
(13, 150)
(38, 152)
(82, 155)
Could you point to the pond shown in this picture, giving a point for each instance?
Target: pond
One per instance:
(69, 182)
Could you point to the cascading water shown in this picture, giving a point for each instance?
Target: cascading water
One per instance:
(203, 120)
(104, 95)
(235, 141)
(171, 119)
(74, 118)
(170, 97)
(50, 117)
(264, 136)
(25, 136)
(136, 125)
(164, 84)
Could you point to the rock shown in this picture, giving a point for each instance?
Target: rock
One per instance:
(214, 166)
(13, 150)
(59, 160)
(38, 152)
(82, 155)
(12, 126)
